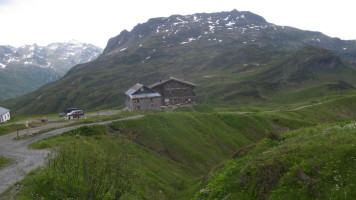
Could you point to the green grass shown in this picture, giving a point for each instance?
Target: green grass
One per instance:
(189, 137)
(4, 161)
(154, 176)
(205, 108)
(170, 152)
(330, 111)
(291, 167)
(87, 131)
(15, 118)
(61, 140)
(5, 129)
(174, 155)
(184, 109)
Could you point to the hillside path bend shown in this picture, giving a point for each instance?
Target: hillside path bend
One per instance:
(23, 159)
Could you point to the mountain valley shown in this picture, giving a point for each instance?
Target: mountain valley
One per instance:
(273, 116)
(234, 57)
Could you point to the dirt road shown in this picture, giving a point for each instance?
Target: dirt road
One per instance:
(24, 159)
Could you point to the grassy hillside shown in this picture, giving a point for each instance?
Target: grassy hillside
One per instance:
(311, 163)
(168, 152)
(209, 155)
(16, 81)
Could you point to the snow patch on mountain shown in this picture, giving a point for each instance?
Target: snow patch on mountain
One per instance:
(189, 40)
(58, 56)
(230, 23)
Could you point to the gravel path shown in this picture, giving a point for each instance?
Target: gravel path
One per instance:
(24, 159)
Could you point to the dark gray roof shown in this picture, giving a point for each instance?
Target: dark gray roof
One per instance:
(131, 92)
(3, 110)
(172, 79)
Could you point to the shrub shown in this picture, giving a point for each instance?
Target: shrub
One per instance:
(87, 131)
(204, 108)
(273, 135)
(184, 109)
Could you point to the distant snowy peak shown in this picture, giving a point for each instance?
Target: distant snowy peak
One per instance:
(58, 56)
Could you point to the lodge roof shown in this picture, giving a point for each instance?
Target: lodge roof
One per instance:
(172, 79)
(134, 89)
(3, 110)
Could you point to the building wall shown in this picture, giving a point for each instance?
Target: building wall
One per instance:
(5, 117)
(174, 92)
(153, 103)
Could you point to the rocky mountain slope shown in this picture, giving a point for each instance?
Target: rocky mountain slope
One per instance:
(26, 68)
(234, 57)
(237, 28)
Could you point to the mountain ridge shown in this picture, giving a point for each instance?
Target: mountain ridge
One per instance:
(49, 56)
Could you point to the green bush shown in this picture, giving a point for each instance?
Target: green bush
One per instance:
(204, 108)
(87, 131)
(184, 109)
(3, 161)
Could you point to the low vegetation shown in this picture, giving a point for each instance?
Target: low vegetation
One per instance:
(4, 161)
(84, 168)
(205, 108)
(183, 155)
(5, 129)
(61, 140)
(291, 167)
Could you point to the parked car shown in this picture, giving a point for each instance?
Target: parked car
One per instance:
(68, 110)
(75, 113)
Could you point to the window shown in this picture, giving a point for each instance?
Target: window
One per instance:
(151, 99)
(138, 107)
(137, 100)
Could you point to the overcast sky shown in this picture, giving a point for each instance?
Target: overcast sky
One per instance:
(95, 21)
